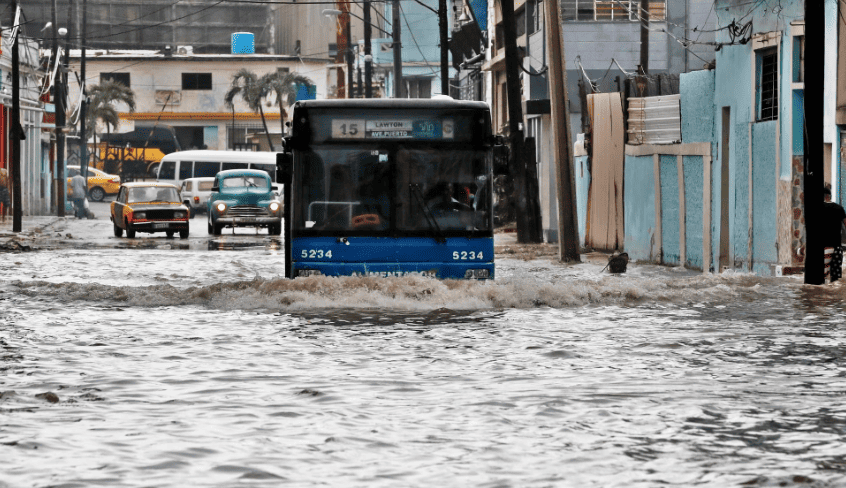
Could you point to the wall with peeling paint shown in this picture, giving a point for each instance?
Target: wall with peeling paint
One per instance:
(641, 232)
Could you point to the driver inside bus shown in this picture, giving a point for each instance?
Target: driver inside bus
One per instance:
(442, 198)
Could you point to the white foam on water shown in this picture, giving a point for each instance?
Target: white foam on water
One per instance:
(419, 293)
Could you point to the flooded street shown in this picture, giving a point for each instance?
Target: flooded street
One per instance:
(170, 363)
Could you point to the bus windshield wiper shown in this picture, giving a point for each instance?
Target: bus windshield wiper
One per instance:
(430, 219)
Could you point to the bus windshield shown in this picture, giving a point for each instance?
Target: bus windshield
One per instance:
(401, 187)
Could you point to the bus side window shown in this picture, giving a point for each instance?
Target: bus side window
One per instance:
(202, 168)
(186, 169)
(167, 171)
(234, 166)
(269, 168)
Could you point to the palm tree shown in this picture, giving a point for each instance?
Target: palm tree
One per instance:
(245, 83)
(254, 90)
(285, 86)
(103, 97)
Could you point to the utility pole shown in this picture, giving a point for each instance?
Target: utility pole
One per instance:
(368, 58)
(526, 219)
(83, 103)
(397, 47)
(349, 55)
(643, 15)
(58, 102)
(568, 234)
(442, 27)
(16, 132)
(813, 168)
(69, 42)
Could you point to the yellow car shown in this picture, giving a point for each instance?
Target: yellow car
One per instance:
(149, 207)
(100, 184)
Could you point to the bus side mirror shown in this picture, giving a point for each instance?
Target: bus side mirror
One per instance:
(284, 166)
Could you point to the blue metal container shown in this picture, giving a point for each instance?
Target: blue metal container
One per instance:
(243, 43)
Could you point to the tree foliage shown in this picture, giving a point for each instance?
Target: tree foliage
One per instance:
(101, 106)
(255, 90)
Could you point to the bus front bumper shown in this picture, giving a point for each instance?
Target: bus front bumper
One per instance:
(476, 270)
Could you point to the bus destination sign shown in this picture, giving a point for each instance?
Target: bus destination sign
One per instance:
(392, 129)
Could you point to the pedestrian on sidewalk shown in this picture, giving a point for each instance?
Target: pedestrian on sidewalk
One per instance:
(5, 198)
(833, 217)
(78, 192)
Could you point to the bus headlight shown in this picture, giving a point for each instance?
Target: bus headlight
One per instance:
(477, 273)
(220, 207)
(309, 272)
(274, 206)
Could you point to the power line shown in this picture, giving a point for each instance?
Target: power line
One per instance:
(413, 38)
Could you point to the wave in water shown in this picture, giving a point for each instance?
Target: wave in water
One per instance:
(420, 293)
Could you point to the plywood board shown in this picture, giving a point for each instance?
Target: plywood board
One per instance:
(618, 161)
(606, 214)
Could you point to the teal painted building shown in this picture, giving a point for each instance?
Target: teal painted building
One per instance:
(730, 195)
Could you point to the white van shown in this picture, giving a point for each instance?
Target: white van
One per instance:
(181, 165)
(195, 193)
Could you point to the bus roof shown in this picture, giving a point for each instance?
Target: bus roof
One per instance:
(393, 103)
(222, 156)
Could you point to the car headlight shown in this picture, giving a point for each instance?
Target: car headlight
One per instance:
(221, 207)
(274, 206)
(140, 215)
(179, 215)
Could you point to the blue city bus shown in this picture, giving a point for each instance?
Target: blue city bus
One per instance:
(389, 187)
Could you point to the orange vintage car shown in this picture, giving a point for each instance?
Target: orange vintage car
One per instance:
(149, 207)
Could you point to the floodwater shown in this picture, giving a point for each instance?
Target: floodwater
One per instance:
(183, 365)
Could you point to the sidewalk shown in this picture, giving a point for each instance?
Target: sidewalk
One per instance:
(30, 224)
(33, 228)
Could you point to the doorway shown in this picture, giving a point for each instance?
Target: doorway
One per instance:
(724, 190)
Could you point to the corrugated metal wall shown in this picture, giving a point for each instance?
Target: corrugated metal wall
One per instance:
(654, 120)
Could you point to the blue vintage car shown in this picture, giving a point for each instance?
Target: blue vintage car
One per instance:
(244, 198)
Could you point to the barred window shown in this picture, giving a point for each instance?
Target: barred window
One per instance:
(611, 10)
(767, 84)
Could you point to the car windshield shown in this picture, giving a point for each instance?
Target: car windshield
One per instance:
(206, 185)
(252, 183)
(152, 194)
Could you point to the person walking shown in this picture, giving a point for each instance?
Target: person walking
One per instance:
(833, 217)
(78, 191)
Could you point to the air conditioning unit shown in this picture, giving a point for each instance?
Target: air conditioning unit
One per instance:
(169, 97)
(184, 50)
